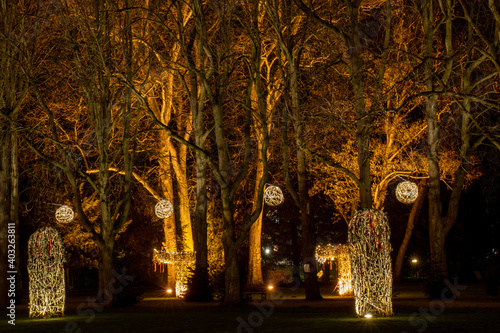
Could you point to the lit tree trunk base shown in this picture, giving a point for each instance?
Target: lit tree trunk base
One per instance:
(47, 289)
(370, 249)
(255, 254)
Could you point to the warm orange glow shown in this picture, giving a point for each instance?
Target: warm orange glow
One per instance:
(270, 287)
(169, 290)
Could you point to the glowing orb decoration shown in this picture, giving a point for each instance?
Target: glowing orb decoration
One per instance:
(370, 249)
(164, 209)
(64, 214)
(46, 274)
(407, 192)
(273, 195)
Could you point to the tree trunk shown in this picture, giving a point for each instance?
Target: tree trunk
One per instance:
(363, 121)
(169, 226)
(106, 294)
(308, 231)
(436, 236)
(254, 241)
(414, 214)
(232, 286)
(5, 205)
(178, 161)
(202, 289)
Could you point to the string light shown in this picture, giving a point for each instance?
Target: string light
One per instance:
(46, 274)
(407, 192)
(182, 261)
(273, 195)
(341, 253)
(64, 214)
(164, 209)
(369, 247)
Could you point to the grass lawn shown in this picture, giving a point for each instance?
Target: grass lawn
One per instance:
(331, 315)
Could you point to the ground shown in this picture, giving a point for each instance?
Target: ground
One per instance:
(285, 311)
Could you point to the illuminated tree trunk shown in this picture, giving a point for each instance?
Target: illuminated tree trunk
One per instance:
(412, 219)
(169, 227)
(178, 159)
(200, 287)
(255, 236)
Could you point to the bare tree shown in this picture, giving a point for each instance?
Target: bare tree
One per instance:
(16, 36)
(99, 37)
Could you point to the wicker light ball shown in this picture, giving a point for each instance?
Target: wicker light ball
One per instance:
(164, 209)
(407, 192)
(273, 195)
(64, 214)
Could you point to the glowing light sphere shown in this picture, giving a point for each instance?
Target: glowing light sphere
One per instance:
(407, 192)
(64, 214)
(273, 195)
(46, 274)
(164, 209)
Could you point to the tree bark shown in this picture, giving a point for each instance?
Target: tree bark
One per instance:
(254, 277)
(169, 225)
(5, 205)
(232, 286)
(308, 229)
(106, 293)
(437, 235)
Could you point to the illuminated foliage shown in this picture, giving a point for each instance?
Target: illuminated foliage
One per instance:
(46, 274)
